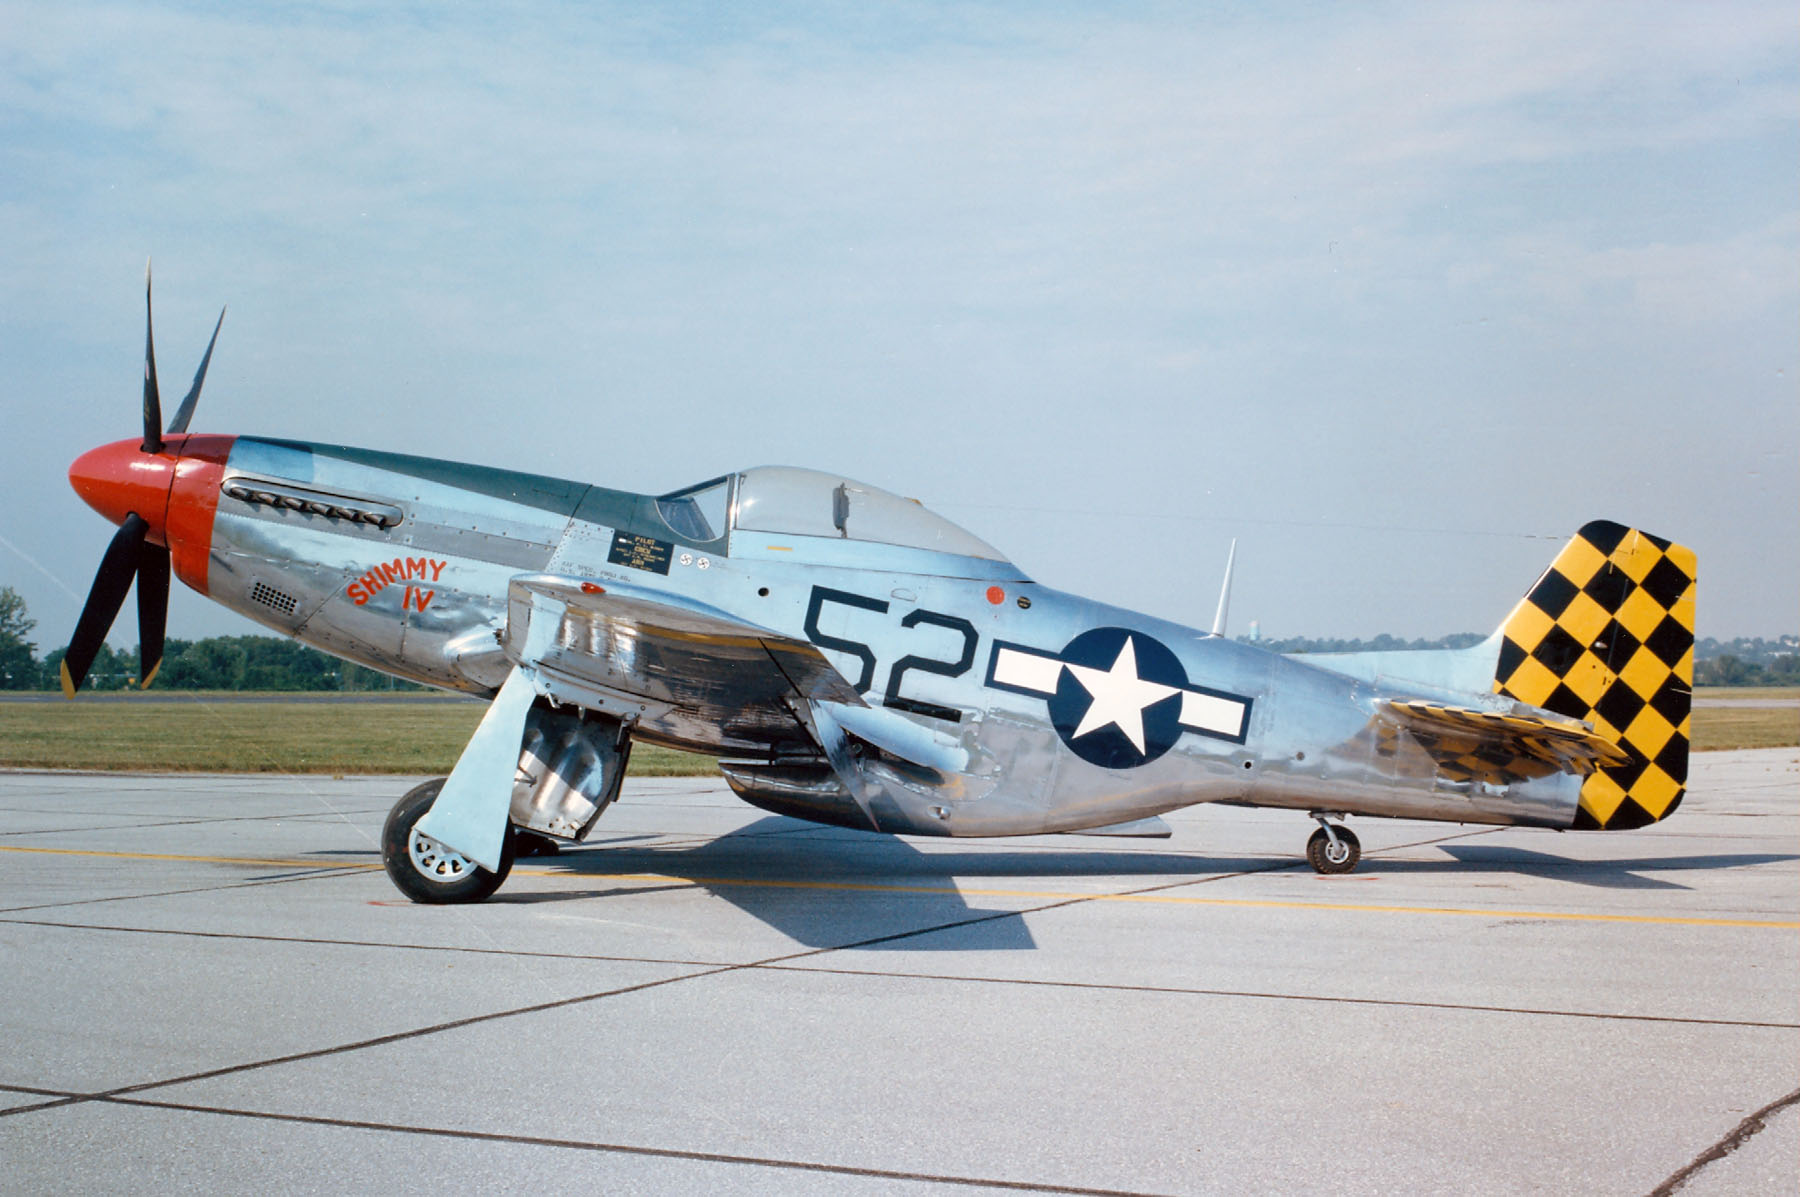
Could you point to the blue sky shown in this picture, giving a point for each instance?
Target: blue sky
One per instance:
(1399, 296)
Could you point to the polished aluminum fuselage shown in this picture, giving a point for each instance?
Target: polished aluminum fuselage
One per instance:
(404, 564)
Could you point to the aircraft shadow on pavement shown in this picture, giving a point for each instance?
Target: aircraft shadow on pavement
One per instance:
(827, 887)
(1604, 874)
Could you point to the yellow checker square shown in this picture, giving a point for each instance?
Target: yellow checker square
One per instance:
(1600, 797)
(1604, 727)
(1579, 561)
(1640, 614)
(1584, 619)
(1644, 673)
(1589, 679)
(1683, 610)
(1527, 625)
(1531, 683)
(1649, 732)
(1637, 555)
(1655, 791)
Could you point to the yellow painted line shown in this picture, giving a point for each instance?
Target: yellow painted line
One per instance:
(234, 860)
(957, 891)
(1170, 899)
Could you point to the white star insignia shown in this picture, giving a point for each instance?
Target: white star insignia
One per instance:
(1119, 696)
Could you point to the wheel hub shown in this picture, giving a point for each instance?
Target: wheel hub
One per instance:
(437, 861)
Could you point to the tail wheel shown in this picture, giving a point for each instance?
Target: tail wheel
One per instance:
(427, 871)
(1327, 857)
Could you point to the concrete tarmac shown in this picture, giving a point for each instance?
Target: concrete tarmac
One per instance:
(208, 981)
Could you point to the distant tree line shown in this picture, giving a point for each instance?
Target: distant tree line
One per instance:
(1380, 644)
(1747, 661)
(277, 663)
(215, 663)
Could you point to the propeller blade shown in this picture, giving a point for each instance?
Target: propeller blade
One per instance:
(104, 599)
(185, 412)
(153, 609)
(153, 441)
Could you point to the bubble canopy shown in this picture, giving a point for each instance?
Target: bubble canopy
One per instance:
(794, 502)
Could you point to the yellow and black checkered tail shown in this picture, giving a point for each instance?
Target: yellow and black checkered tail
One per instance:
(1607, 636)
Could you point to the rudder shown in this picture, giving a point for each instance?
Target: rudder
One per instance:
(1606, 636)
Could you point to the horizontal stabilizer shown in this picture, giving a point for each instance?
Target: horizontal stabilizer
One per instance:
(1475, 745)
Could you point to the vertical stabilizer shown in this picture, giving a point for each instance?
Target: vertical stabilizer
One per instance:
(1607, 636)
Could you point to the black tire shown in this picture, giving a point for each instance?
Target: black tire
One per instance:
(425, 870)
(1320, 856)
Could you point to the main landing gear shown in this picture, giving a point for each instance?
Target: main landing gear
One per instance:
(1333, 848)
(427, 871)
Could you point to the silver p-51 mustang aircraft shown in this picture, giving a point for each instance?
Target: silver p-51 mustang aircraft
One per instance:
(854, 659)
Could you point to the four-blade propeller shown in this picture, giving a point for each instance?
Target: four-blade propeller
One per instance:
(132, 553)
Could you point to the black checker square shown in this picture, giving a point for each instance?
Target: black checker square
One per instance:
(1626, 775)
(1672, 700)
(1558, 651)
(1565, 701)
(1615, 646)
(1673, 759)
(1604, 535)
(1666, 583)
(1670, 641)
(1512, 655)
(1553, 593)
(1608, 587)
(1619, 705)
(1629, 816)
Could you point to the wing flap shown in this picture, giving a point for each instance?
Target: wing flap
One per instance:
(1500, 748)
(652, 655)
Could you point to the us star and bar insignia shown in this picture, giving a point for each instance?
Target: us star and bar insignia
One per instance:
(1118, 698)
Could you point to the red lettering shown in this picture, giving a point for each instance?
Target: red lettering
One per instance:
(399, 569)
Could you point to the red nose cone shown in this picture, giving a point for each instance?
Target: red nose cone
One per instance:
(119, 479)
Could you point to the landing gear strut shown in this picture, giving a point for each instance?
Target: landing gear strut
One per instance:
(1333, 848)
(427, 871)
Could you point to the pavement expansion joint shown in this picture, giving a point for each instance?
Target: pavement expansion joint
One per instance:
(1259, 995)
(381, 945)
(1181, 1035)
(670, 1153)
(327, 872)
(1752, 1125)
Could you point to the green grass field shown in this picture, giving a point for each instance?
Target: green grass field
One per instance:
(409, 736)
(1719, 728)
(264, 737)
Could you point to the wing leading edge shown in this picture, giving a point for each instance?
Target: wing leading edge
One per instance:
(693, 672)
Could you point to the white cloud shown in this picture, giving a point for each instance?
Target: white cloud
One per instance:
(1259, 245)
